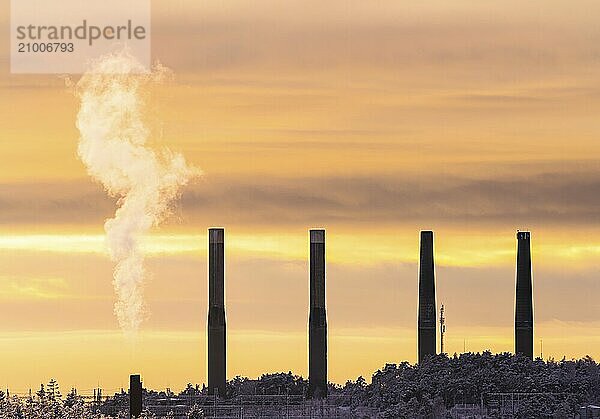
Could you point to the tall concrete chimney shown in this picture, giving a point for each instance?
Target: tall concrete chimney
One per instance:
(427, 304)
(524, 297)
(216, 313)
(135, 396)
(317, 323)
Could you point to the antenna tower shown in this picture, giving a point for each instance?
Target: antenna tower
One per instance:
(442, 329)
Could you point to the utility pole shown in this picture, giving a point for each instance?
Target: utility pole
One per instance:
(442, 329)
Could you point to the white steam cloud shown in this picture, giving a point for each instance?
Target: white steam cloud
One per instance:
(113, 146)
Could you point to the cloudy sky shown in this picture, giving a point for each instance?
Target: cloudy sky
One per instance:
(373, 120)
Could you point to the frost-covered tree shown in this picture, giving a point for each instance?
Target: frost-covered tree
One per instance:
(195, 412)
(53, 391)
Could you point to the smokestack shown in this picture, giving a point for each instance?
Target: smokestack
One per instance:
(317, 323)
(524, 297)
(427, 305)
(135, 396)
(216, 312)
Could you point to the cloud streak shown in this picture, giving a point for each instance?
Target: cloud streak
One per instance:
(543, 199)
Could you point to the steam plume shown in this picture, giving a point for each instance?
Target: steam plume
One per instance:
(113, 147)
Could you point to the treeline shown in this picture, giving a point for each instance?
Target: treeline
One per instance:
(426, 390)
(430, 389)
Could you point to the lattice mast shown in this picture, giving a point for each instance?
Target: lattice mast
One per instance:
(442, 329)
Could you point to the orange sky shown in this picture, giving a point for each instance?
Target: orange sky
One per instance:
(373, 120)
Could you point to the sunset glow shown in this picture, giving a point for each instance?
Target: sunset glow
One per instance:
(476, 122)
